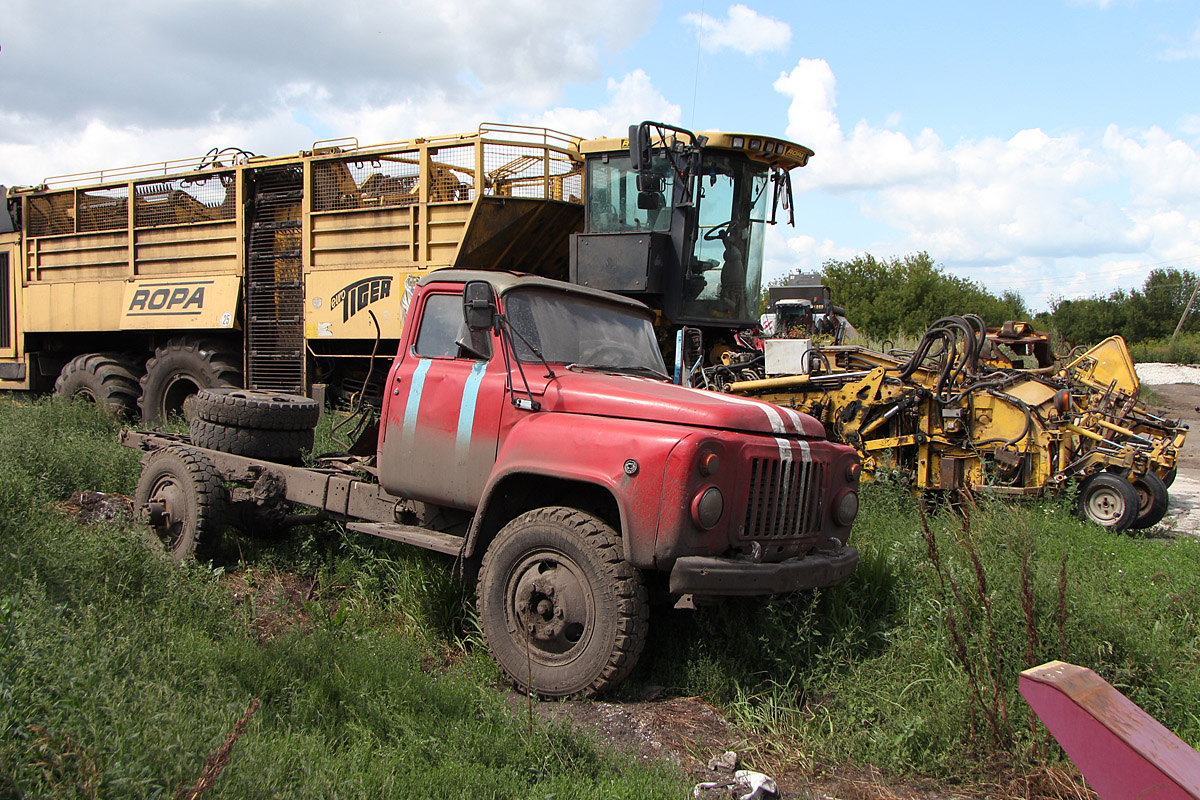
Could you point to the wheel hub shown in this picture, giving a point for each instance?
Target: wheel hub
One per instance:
(1106, 506)
(166, 510)
(551, 604)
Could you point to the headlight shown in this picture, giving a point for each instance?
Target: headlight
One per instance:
(846, 507)
(707, 508)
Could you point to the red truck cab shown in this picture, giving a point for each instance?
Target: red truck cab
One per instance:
(551, 411)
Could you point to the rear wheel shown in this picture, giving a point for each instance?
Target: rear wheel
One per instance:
(1153, 499)
(1109, 500)
(563, 613)
(107, 379)
(183, 498)
(179, 369)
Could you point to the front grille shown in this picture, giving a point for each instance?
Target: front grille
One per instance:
(784, 500)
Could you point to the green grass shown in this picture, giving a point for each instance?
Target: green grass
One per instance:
(120, 673)
(912, 664)
(1184, 349)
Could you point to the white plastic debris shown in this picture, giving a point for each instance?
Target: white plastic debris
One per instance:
(756, 785)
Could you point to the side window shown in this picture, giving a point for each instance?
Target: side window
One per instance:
(441, 322)
(442, 328)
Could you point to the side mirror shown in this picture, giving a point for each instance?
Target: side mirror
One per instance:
(639, 147)
(479, 306)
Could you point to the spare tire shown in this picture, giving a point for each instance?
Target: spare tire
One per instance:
(250, 408)
(273, 445)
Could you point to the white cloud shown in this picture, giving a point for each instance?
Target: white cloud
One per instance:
(1184, 50)
(1021, 212)
(631, 99)
(743, 29)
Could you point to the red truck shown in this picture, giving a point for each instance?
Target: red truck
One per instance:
(530, 430)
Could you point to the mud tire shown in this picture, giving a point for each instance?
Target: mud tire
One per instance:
(190, 499)
(1153, 499)
(250, 442)
(179, 369)
(589, 632)
(108, 379)
(248, 408)
(1109, 500)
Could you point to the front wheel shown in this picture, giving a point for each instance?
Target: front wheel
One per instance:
(563, 613)
(1109, 500)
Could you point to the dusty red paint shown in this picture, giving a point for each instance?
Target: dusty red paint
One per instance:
(1123, 752)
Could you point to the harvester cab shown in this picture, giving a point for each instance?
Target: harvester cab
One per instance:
(677, 219)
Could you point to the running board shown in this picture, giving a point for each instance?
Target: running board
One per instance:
(1124, 753)
(409, 534)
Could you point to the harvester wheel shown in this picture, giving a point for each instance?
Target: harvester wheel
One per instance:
(562, 612)
(179, 369)
(248, 408)
(1169, 478)
(181, 495)
(108, 379)
(1153, 500)
(1109, 500)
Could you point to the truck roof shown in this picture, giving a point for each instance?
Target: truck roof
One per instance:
(771, 149)
(503, 280)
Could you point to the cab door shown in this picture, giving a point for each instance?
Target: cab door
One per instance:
(440, 431)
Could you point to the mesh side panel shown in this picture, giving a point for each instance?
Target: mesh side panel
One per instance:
(51, 214)
(452, 173)
(185, 200)
(5, 303)
(102, 209)
(784, 500)
(529, 171)
(382, 181)
(274, 283)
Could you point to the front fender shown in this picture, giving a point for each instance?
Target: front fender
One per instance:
(627, 458)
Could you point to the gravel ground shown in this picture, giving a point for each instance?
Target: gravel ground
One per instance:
(1153, 374)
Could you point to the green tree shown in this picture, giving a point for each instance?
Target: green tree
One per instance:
(905, 295)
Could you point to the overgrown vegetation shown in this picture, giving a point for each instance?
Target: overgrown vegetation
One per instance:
(121, 674)
(912, 665)
(1184, 349)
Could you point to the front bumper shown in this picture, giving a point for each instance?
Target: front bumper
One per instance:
(723, 577)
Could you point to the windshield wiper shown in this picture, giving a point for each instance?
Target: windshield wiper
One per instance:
(647, 372)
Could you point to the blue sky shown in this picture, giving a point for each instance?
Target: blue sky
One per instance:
(1048, 148)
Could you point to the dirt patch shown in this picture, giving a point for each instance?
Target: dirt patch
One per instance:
(276, 601)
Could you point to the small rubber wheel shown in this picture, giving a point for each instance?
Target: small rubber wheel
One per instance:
(182, 367)
(1169, 477)
(562, 612)
(251, 442)
(1153, 499)
(249, 408)
(1109, 500)
(181, 495)
(108, 379)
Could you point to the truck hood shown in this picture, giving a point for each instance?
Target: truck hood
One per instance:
(629, 397)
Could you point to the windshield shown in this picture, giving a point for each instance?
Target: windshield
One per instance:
(725, 273)
(573, 329)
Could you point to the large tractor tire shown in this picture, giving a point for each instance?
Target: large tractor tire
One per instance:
(183, 498)
(107, 379)
(563, 613)
(248, 408)
(1109, 500)
(251, 442)
(1153, 499)
(182, 367)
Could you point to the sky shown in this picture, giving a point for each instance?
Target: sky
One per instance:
(1044, 147)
